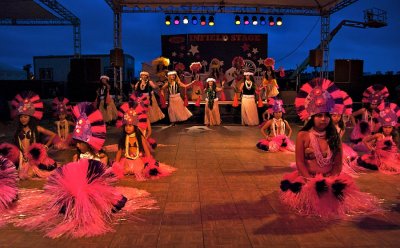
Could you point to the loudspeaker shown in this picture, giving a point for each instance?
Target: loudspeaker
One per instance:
(117, 57)
(349, 70)
(315, 57)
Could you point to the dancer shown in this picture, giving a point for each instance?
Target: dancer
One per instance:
(89, 133)
(269, 83)
(220, 79)
(337, 114)
(318, 187)
(276, 138)
(104, 101)
(197, 87)
(384, 155)
(249, 108)
(211, 110)
(176, 109)
(133, 155)
(33, 161)
(63, 139)
(146, 87)
(368, 124)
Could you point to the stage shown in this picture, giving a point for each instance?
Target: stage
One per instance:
(225, 194)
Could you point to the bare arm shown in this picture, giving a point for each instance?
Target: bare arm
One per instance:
(368, 139)
(289, 129)
(148, 133)
(337, 163)
(163, 88)
(48, 133)
(118, 156)
(356, 113)
(265, 127)
(153, 85)
(146, 147)
(300, 159)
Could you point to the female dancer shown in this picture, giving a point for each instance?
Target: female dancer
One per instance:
(249, 107)
(211, 110)
(318, 187)
(63, 140)
(104, 101)
(176, 109)
(384, 155)
(276, 139)
(269, 83)
(368, 124)
(146, 87)
(33, 161)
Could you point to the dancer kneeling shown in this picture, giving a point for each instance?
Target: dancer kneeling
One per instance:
(318, 187)
(80, 196)
(133, 155)
(276, 140)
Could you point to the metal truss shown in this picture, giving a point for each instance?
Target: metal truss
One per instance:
(66, 19)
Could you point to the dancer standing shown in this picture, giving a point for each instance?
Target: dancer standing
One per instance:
(249, 108)
(212, 116)
(269, 83)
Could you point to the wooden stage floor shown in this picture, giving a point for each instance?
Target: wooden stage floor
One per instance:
(225, 194)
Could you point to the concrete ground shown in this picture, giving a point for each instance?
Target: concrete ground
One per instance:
(225, 194)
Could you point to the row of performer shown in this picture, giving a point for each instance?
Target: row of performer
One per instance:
(80, 199)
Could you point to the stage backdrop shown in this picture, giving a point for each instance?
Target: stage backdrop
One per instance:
(188, 48)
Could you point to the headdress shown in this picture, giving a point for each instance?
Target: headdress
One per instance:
(275, 105)
(60, 105)
(139, 99)
(269, 62)
(27, 103)
(89, 127)
(388, 114)
(172, 73)
(105, 77)
(215, 63)
(248, 73)
(375, 94)
(195, 67)
(318, 96)
(210, 80)
(132, 115)
(179, 67)
(144, 73)
(160, 64)
(346, 107)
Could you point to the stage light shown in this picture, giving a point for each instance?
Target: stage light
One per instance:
(167, 20)
(279, 21)
(262, 20)
(246, 20)
(202, 20)
(194, 20)
(237, 20)
(176, 20)
(254, 20)
(185, 20)
(211, 21)
(271, 21)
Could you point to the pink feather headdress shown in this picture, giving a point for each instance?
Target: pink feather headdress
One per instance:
(27, 103)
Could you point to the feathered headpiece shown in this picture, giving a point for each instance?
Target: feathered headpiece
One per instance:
(89, 127)
(195, 67)
(141, 99)
(388, 114)
(27, 103)
(238, 62)
(345, 108)
(318, 96)
(60, 105)
(210, 80)
(275, 105)
(215, 63)
(172, 73)
(269, 62)
(160, 62)
(375, 94)
(132, 115)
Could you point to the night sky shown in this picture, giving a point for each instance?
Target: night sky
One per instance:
(288, 44)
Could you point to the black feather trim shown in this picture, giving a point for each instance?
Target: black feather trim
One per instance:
(321, 187)
(337, 189)
(285, 185)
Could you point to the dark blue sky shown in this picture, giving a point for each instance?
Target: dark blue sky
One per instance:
(379, 48)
